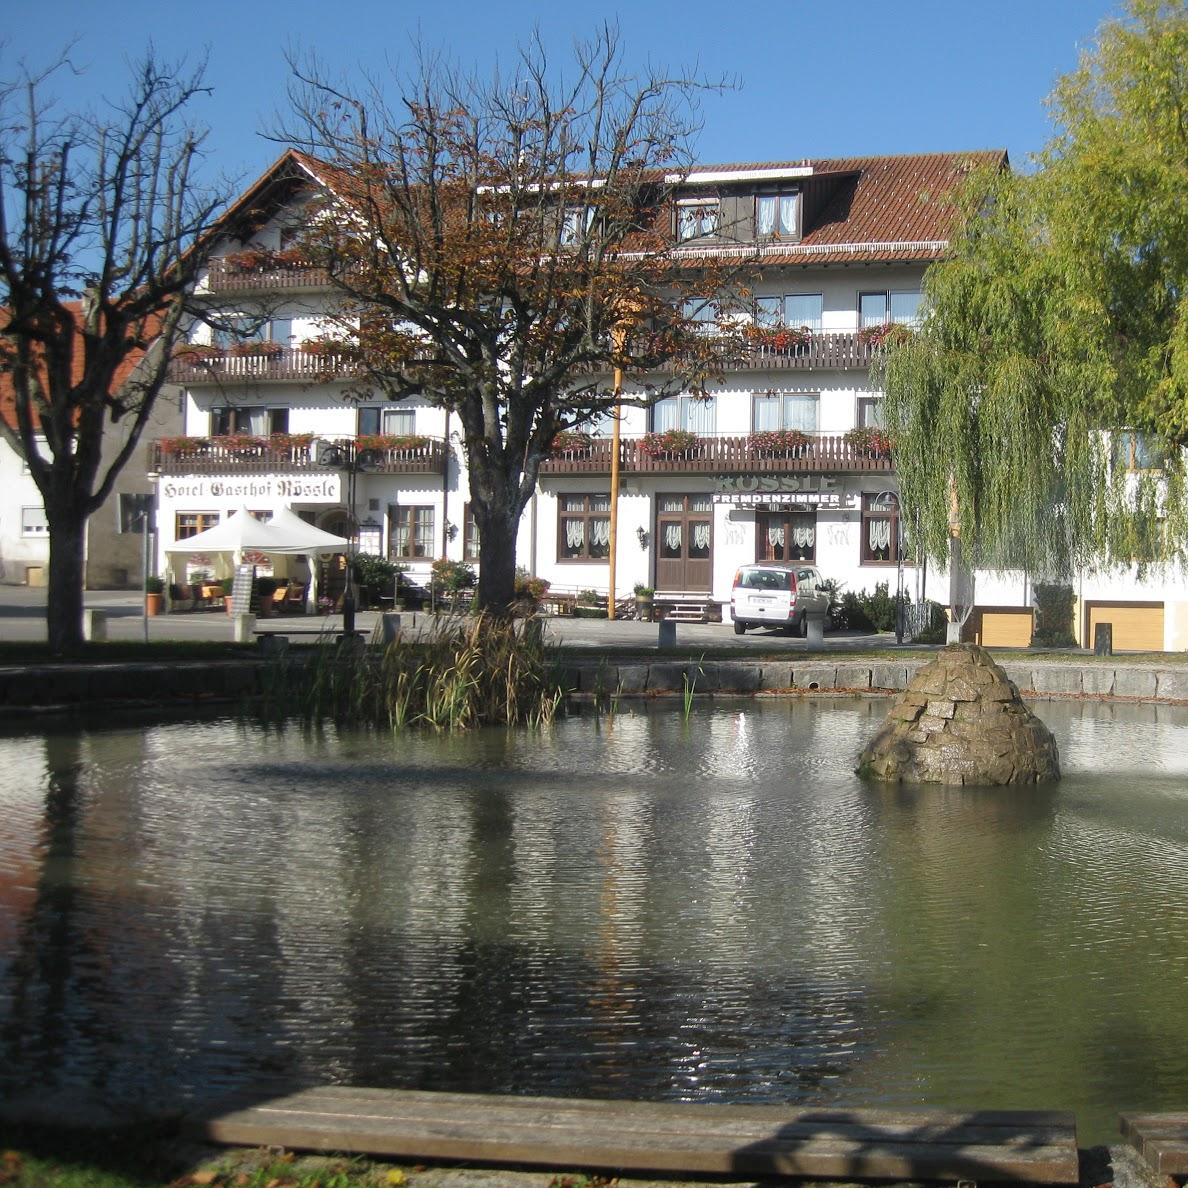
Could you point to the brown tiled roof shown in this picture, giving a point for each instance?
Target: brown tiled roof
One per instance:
(8, 394)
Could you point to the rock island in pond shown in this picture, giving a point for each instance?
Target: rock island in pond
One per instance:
(961, 721)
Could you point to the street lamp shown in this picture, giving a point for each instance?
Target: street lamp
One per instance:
(346, 457)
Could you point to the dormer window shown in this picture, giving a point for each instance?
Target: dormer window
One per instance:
(696, 218)
(776, 215)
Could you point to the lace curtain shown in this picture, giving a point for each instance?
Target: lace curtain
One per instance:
(672, 537)
(701, 537)
(575, 534)
(600, 533)
(802, 537)
(879, 535)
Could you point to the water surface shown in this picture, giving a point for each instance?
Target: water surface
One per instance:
(644, 907)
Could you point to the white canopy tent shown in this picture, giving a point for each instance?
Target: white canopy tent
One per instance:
(286, 535)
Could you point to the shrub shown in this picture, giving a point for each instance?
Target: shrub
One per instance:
(375, 575)
(154, 585)
(452, 576)
(1054, 616)
(867, 612)
(528, 587)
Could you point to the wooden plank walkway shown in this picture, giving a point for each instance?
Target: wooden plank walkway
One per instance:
(1161, 1139)
(563, 1133)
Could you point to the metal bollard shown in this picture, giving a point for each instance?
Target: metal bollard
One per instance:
(390, 626)
(94, 626)
(273, 645)
(815, 630)
(1103, 639)
(666, 633)
(242, 628)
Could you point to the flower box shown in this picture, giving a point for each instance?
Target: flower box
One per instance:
(778, 443)
(256, 350)
(568, 442)
(389, 441)
(876, 443)
(778, 338)
(672, 443)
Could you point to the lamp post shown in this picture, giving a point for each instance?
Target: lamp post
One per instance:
(344, 456)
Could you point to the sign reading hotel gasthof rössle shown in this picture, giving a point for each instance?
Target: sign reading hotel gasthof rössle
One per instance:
(321, 488)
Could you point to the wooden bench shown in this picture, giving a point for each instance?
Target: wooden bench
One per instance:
(1162, 1140)
(564, 1133)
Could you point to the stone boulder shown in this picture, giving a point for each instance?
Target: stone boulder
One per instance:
(961, 721)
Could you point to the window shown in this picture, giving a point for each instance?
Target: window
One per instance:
(575, 222)
(470, 536)
(187, 524)
(804, 309)
(796, 310)
(133, 512)
(785, 410)
(899, 306)
(697, 414)
(394, 422)
(870, 412)
(1138, 451)
(696, 218)
(703, 314)
(786, 536)
(34, 522)
(238, 328)
(880, 528)
(583, 527)
(261, 422)
(775, 215)
(410, 532)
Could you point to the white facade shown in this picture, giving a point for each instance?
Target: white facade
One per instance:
(834, 504)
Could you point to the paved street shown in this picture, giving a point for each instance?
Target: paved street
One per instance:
(22, 618)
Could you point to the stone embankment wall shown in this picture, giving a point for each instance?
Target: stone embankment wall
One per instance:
(181, 682)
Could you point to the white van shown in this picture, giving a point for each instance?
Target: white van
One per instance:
(775, 594)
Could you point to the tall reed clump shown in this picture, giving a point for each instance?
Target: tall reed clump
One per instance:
(466, 672)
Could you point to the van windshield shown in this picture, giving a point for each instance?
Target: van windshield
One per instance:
(765, 579)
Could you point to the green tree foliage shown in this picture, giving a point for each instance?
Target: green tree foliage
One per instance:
(1059, 317)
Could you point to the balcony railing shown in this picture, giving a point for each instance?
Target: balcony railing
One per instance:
(838, 351)
(719, 455)
(281, 454)
(196, 367)
(226, 276)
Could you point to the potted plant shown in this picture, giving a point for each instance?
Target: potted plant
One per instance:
(874, 443)
(777, 443)
(265, 588)
(644, 605)
(154, 594)
(671, 443)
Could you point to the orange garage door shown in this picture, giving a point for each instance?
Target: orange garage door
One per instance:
(1138, 626)
(1006, 628)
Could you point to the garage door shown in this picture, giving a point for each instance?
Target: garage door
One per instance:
(1138, 626)
(1006, 628)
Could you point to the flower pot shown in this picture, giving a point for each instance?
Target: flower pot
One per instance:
(152, 604)
(227, 601)
(643, 609)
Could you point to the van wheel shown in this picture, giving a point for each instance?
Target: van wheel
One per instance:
(739, 628)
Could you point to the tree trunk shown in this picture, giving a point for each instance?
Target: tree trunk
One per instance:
(497, 558)
(64, 606)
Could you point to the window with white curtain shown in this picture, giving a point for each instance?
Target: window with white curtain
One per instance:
(775, 215)
(901, 306)
(785, 410)
(34, 522)
(880, 529)
(696, 218)
(583, 527)
(804, 309)
(786, 536)
(575, 222)
(697, 414)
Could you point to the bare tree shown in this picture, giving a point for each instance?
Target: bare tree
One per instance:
(100, 215)
(501, 245)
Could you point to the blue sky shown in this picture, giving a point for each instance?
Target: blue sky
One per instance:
(816, 79)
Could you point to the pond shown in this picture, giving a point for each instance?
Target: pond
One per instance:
(633, 906)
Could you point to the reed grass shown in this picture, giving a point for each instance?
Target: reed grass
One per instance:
(466, 672)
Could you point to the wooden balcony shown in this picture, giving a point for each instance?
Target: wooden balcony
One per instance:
(242, 455)
(720, 455)
(841, 351)
(222, 276)
(287, 365)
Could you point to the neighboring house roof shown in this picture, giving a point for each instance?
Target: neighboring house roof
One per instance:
(8, 393)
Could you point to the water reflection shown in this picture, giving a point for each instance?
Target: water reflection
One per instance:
(637, 906)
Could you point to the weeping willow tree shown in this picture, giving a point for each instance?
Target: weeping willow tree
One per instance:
(1042, 407)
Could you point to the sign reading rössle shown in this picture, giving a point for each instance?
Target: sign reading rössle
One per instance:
(324, 488)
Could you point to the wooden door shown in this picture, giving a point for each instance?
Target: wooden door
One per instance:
(684, 542)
